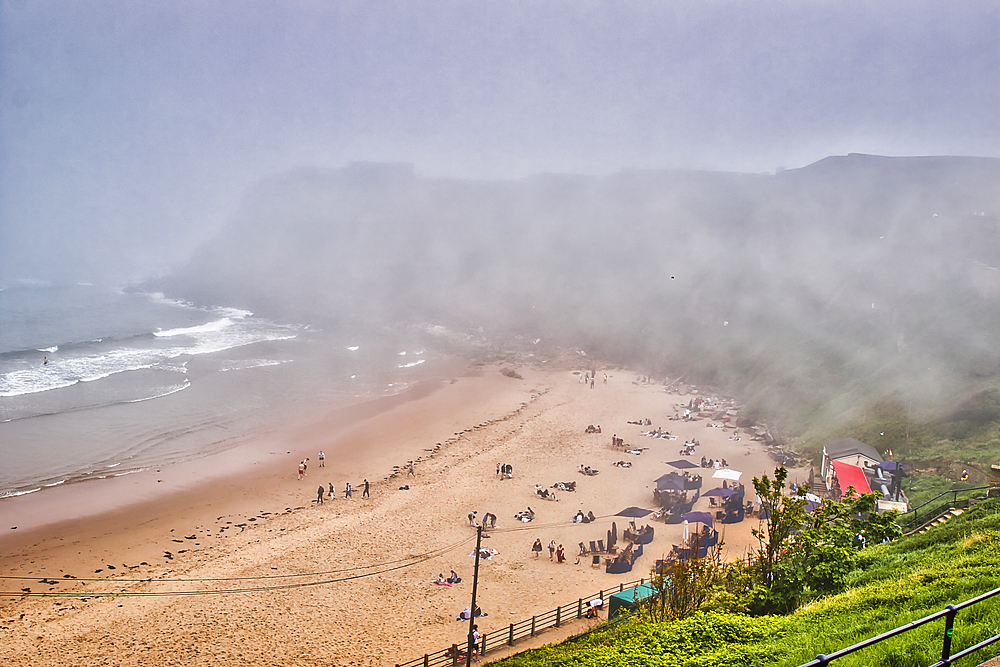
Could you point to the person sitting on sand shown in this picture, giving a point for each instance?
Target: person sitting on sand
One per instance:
(441, 581)
(454, 578)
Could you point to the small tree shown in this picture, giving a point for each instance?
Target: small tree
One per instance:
(777, 584)
(683, 586)
(803, 553)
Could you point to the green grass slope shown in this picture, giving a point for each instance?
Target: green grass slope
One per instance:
(893, 585)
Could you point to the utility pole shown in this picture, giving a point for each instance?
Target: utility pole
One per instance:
(475, 584)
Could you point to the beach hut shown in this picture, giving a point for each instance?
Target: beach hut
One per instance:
(628, 600)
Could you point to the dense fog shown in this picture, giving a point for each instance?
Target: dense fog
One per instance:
(649, 182)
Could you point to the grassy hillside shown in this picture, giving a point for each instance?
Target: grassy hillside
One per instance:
(893, 585)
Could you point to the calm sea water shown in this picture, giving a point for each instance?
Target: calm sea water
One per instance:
(97, 382)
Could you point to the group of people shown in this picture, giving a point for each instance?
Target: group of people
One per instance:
(658, 432)
(593, 429)
(505, 471)
(580, 517)
(330, 492)
(587, 470)
(712, 463)
(556, 553)
(489, 520)
(544, 493)
(525, 515)
(450, 581)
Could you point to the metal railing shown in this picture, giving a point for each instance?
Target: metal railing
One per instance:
(919, 515)
(947, 658)
(491, 641)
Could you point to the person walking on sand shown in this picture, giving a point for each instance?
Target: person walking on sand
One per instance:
(552, 549)
(537, 546)
(410, 472)
(322, 460)
(347, 491)
(319, 495)
(560, 554)
(364, 494)
(332, 491)
(302, 470)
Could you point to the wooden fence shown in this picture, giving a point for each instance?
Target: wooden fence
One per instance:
(491, 641)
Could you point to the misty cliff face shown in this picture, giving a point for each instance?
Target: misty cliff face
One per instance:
(805, 277)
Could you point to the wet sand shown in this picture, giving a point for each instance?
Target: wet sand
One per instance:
(238, 563)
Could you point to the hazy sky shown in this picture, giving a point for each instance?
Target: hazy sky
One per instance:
(129, 130)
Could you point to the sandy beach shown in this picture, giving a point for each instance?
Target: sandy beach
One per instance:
(234, 561)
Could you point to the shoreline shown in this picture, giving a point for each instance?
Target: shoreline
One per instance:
(261, 461)
(318, 582)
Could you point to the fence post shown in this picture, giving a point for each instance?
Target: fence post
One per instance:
(454, 654)
(427, 660)
(621, 587)
(510, 635)
(558, 610)
(482, 647)
(532, 626)
(579, 608)
(949, 623)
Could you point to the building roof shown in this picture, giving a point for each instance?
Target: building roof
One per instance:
(849, 475)
(839, 449)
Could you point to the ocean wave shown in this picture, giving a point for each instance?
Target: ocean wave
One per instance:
(412, 364)
(252, 363)
(354, 348)
(50, 350)
(62, 481)
(14, 494)
(210, 327)
(235, 313)
(161, 298)
(169, 390)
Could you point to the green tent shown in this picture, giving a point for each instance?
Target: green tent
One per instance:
(628, 600)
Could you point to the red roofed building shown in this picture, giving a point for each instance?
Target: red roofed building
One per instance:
(846, 476)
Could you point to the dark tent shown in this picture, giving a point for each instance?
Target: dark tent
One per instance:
(629, 599)
(725, 493)
(634, 512)
(670, 482)
(683, 464)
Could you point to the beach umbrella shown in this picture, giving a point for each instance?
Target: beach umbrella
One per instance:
(634, 512)
(671, 481)
(700, 517)
(725, 493)
(726, 473)
(683, 464)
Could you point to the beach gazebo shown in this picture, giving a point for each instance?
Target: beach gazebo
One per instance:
(628, 601)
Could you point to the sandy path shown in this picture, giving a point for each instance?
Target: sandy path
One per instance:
(339, 616)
